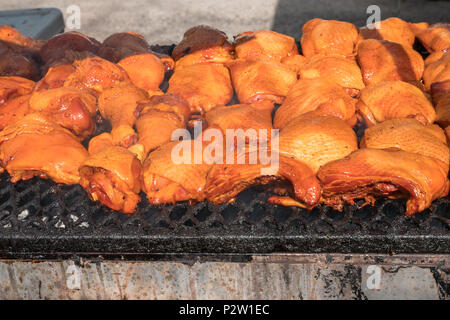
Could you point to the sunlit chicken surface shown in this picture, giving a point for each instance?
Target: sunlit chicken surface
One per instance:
(55, 77)
(408, 135)
(256, 79)
(392, 100)
(35, 146)
(436, 76)
(169, 181)
(368, 173)
(320, 96)
(435, 37)
(71, 108)
(264, 44)
(328, 36)
(202, 44)
(13, 110)
(12, 87)
(13, 36)
(336, 68)
(158, 119)
(118, 104)
(382, 60)
(111, 175)
(203, 85)
(392, 29)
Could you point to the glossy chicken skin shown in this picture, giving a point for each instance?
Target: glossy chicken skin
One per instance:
(118, 104)
(256, 80)
(12, 87)
(408, 135)
(382, 60)
(111, 175)
(168, 181)
(71, 108)
(55, 77)
(36, 146)
(392, 29)
(264, 44)
(95, 73)
(11, 35)
(121, 45)
(203, 85)
(336, 68)
(13, 110)
(202, 44)
(393, 100)
(435, 37)
(65, 48)
(316, 141)
(158, 118)
(368, 173)
(320, 96)
(443, 110)
(436, 76)
(328, 36)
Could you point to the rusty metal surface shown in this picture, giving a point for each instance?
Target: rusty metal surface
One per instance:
(274, 276)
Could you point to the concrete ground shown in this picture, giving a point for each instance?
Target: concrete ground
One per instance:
(164, 21)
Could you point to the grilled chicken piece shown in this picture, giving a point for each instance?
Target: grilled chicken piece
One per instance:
(145, 70)
(165, 180)
(158, 118)
(121, 45)
(12, 36)
(13, 110)
(443, 110)
(382, 60)
(256, 80)
(320, 96)
(55, 77)
(264, 44)
(436, 76)
(202, 44)
(393, 100)
(71, 108)
(336, 68)
(95, 73)
(328, 36)
(67, 47)
(203, 85)
(408, 135)
(368, 173)
(118, 104)
(12, 87)
(36, 146)
(392, 29)
(111, 175)
(435, 37)
(295, 62)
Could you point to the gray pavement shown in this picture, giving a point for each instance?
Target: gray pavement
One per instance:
(164, 21)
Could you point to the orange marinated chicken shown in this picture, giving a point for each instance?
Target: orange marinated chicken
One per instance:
(337, 68)
(145, 70)
(203, 85)
(67, 47)
(71, 108)
(12, 87)
(443, 110)
(13, 110)
(95, 73)
(118, 105)
(171, 174)
(320, 96)
(13, 36)
(111, 175)
(36, 146)
(256, 79)
(392, 29)
(295, 62)
(202, 44)
(55, 77)
(368, 173)
(393, 100)
(382, 60)
(408, 135)
(328, 36)
(121, 45)
(264, 44)
(435, 37)
(158, 118)
(436, 76)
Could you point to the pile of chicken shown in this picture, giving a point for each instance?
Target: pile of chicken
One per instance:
(345, 77)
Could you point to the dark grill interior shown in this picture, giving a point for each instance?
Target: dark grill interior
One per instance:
(40, 218)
